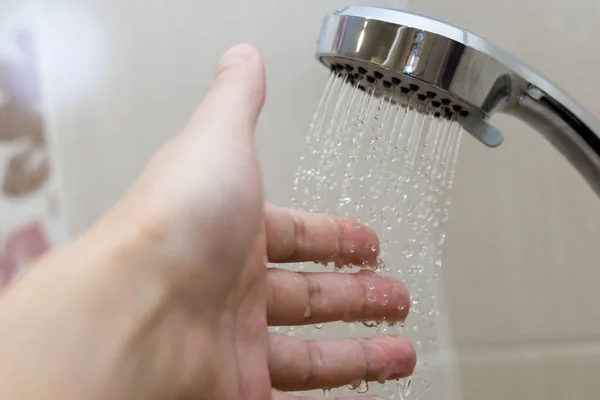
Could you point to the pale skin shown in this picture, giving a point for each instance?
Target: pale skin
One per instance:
(168, 297)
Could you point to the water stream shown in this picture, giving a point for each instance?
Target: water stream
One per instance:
(391, 165)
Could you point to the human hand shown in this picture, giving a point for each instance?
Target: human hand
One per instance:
(169, 297)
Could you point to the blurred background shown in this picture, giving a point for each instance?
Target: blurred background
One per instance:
(90, 89)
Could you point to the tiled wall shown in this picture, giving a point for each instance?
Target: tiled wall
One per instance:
(522, 267)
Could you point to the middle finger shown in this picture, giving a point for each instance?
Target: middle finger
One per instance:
(310, 298)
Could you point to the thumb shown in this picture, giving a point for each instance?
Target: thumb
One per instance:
(235, 99)
(202, 193)
(220, 135)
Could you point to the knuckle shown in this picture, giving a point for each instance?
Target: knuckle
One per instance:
(315, 363)
(314, 291)
(299, 228)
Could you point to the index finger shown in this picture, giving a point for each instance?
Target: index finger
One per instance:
(298, 236)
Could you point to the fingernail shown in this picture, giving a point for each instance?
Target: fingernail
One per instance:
(235, 56)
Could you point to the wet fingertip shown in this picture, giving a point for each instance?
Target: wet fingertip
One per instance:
(409, 359)
(346, 224)
(403, 311)
(367, 232)
(400, 292)
(375, 241)
(402, 346)
(358, 244)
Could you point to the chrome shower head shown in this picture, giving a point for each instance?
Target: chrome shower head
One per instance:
(394, 53)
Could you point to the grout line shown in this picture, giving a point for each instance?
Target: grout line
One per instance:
(530, 351)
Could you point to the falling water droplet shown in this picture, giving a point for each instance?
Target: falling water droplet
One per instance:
(344, 201)
(441, 239)
(408, 251)
(363, 387)
(426, 385)
(402, 195)
(407, 387)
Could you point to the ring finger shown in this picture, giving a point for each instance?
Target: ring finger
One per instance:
(296, 364)
(309, 298)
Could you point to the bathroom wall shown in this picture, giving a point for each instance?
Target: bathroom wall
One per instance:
(120, 78)
(522, 264)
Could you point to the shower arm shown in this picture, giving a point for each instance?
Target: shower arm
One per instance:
(562, 128)
(472, 72)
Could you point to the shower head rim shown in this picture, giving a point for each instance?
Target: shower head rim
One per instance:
(452, 32)
(517, 67)
(471, 69)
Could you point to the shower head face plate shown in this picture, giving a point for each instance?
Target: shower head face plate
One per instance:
(418, 52)
(380, 81)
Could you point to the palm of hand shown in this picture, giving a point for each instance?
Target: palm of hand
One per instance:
(235, 236)
(254, 364)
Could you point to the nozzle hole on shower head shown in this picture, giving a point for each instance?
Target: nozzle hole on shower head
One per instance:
(403, 88)
(383, 82)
